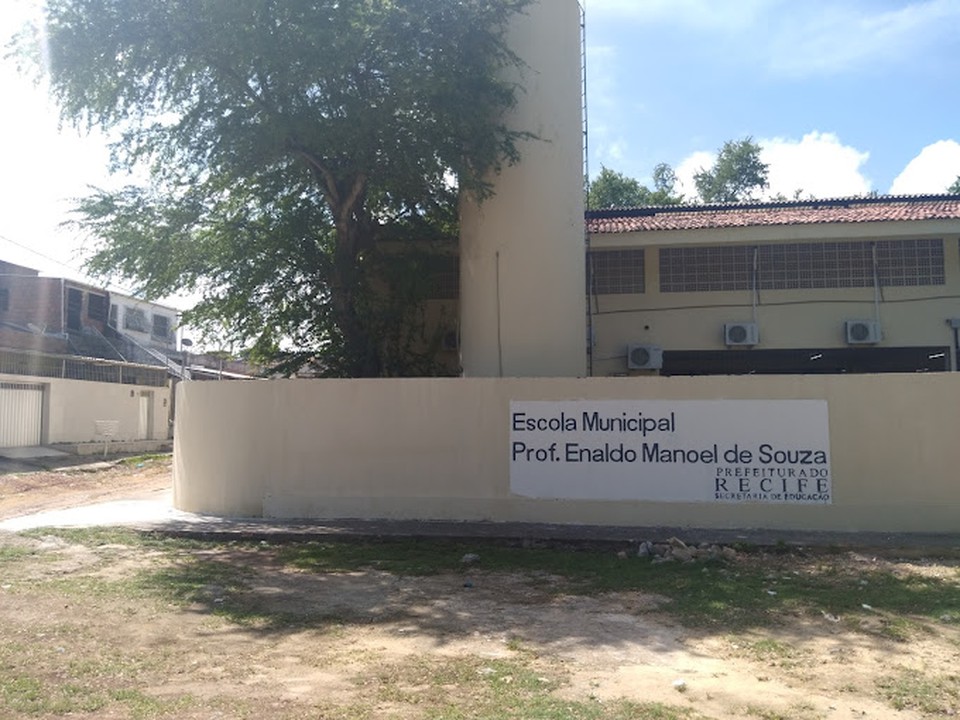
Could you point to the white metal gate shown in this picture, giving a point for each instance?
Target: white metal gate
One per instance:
(21, 414)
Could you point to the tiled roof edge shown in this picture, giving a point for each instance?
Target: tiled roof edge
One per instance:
(652, 210)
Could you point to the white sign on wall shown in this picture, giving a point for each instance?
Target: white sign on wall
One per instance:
(732, 451)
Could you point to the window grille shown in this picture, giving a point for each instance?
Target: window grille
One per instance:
(617, 272)
(802, 266)
(161, 327)
(134, 319)
(97, 307)
(910, 262)
(705, 269)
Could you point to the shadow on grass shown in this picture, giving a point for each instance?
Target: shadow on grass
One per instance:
(524, 602)
(533, 592)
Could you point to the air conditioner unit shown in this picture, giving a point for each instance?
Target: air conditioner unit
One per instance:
(450, 341)
(744, 333)
(644, 357)
(862, 332)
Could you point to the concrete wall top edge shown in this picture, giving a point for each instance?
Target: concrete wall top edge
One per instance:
(567, 388)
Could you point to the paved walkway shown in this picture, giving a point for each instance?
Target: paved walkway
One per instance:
(159, 515)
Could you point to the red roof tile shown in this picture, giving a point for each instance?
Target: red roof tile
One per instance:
(698, 217)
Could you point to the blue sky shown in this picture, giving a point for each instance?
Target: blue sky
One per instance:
(845, 96)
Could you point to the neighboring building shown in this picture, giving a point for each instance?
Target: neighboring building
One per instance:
(49, 399)
(59, 315)
(855, 285)
(65, 317)
(150, 324)
(43, 312)
(67, 375)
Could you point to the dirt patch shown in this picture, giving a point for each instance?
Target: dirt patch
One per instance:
(123, 629)
(373, 644)
(23, 493)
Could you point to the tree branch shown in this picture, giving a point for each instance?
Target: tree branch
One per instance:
(329, 183)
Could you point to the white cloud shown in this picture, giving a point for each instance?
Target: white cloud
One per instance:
(701, 14)
(606, 144)
(818, 164)
(799, 39)
(932, 171)
(613, 152)
(689, 167)
(834, 38)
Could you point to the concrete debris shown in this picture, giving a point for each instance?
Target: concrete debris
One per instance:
(728, 553)
(675, 550)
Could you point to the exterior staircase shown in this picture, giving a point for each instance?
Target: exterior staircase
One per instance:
(117, 346)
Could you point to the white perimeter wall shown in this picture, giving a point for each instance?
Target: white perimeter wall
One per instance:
(439, 449)
(72, 407)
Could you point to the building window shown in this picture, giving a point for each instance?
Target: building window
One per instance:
(114, 315)
(97, 307)
(617, 272)
(910, 262)
(74, 309)
(134, 319)
(4, 300)
(161, 327)
(851, 264)
(706, 269)
(802, 266)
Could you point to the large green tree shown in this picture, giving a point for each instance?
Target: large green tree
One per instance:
(611, 189)
(285, 140)
(737, 175)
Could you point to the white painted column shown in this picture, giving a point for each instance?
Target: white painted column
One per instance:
(522, 267)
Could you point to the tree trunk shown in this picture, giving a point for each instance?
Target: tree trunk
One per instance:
(346, 199)
(361, 358)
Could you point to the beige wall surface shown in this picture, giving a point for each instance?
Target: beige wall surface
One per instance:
(909, 316)
(439, 449)
(522, 269)
(72, 407)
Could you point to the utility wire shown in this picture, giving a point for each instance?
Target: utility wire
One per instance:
(40, 254)
(118, 288)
